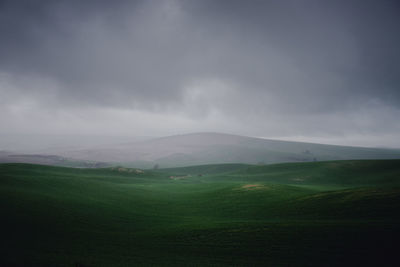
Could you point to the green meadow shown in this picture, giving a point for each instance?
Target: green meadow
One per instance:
(334, 213)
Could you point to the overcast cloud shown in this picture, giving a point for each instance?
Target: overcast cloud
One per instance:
(323, 71)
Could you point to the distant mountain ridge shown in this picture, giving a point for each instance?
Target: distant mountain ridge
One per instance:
(216, 148)
(44, 159)
(197, 149)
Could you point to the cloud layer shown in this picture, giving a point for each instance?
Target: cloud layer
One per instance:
(262, 68)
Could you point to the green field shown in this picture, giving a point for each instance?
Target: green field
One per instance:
(332, 213)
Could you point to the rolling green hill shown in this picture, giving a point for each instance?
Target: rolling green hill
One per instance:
(207, 169)
(296, 214)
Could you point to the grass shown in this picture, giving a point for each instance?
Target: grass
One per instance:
(300, 214)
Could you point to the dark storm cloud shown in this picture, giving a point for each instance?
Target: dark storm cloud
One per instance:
(321, 50)
(268, 60)
(93, 50)
(151, 49)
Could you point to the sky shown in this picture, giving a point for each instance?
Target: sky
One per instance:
(303, 70)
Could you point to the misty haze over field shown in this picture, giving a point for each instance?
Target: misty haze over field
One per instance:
(313, 71)
(199, 132)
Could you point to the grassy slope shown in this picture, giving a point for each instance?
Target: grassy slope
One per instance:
(324, 213)
(206, 169)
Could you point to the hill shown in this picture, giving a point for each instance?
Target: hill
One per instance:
(207, 169)
(217, 148)
(54, 160)
(341, 213)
